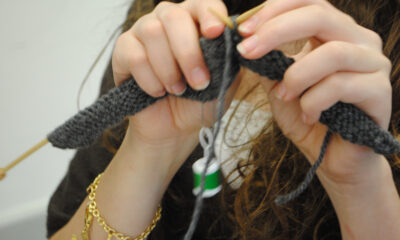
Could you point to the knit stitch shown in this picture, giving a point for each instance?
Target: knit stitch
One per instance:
(128, 99)
(223, 62)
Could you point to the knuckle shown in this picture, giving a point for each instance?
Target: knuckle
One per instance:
(387, 64)
(275, 28)
(318, 11)
(156, 91)
(187, 56)
(136, 59)
(385, 85)
(172, 13)
(306, 1)
(163, 5)
(349, 19)
(292, 78)
(387, 88)
(152, 28)
(119, 56)
(170, 78)
(375, 39)
(275, 31)
(286, 130)
(336, 84)
(338, 52)
(151, 89)
(121, 40)
(307, 105)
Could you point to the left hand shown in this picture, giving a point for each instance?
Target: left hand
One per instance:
(342, 61)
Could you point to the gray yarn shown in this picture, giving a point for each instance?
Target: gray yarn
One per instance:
(128, 99)
(279, 200)
(226, 81)
(223, 62)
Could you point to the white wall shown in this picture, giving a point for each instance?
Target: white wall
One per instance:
(46, 47)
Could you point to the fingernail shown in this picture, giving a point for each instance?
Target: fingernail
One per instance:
(212, 24)
(247, 45)
(249, 25)
(160, 93)
(199, 78)
(178, 88)
(280, 91)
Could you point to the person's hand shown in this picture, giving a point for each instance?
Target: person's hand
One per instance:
(342, 61)
(156, 51)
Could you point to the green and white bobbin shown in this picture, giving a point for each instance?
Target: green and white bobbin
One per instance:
(212, 180)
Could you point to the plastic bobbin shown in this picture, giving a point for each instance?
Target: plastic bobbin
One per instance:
(212, 180)
(212, 183)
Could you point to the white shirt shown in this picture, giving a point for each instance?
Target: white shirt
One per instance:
(245, 124)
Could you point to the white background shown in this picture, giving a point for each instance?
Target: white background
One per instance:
(46, 48)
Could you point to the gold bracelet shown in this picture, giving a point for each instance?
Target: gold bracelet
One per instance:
(93, 211)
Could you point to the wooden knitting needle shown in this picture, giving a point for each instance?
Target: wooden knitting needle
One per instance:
(243, 17)
(246, 15)
(22, 157)
(290, 48)
(226, 20)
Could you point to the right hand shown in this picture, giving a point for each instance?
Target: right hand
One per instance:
(156, 51)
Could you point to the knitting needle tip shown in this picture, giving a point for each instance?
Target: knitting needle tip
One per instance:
(2, 173)
(226, 20)
(22, 157)
(246, 15)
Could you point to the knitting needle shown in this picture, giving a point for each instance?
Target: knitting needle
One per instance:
(22, 157)
(290, 48)
(243, 17)
(226, 20)
(246, 15)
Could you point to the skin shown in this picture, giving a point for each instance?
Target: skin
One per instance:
(163, 46)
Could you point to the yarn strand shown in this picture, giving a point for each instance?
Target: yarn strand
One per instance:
(279, 200)
(220, 110)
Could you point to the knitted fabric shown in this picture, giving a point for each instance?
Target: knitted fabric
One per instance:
(128, 99)
(223, 62)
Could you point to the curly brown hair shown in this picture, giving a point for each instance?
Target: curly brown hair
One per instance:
(276, 165)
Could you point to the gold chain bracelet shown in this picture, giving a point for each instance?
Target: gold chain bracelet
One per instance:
(93, 211)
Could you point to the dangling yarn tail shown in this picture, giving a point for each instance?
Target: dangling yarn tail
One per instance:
(282, 199)
(226, 79)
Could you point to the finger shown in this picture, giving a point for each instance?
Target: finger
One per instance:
(151, 33)
(368, 91)
(209, 115)
(331, 57)
(130, 59)
(271, 9)
(210, 25)
(303, 23)
(185, 46)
